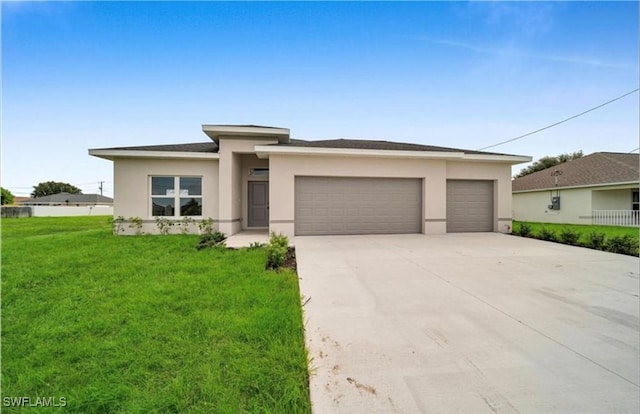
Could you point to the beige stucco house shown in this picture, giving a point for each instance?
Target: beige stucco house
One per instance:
(253, 177)
(600, 188)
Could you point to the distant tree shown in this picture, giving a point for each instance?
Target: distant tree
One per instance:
(53, 187)
(549, 161)
(7, 197)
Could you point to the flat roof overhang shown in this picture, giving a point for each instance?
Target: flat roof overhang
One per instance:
(246, 131)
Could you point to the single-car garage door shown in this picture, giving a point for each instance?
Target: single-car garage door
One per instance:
(348, 205)
(469, 206)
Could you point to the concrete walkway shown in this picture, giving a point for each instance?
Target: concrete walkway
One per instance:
(469, 323)
(245, 238)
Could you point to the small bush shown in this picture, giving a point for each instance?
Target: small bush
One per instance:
(624, 244)
(211, 240)
(164, 225)
(277, 251)
(595, 240)
(118, 224)
(256, 245)
(136, 223)
(184, 224)
(548, 235)
(206, 226)
(524, 230)
(569, 236)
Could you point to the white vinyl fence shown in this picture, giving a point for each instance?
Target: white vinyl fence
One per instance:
(56, 211)
(630, 218)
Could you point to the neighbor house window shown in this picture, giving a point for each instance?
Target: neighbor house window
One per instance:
(176, 196)
(635, 200)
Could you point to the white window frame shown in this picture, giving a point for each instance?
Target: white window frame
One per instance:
(176, 196)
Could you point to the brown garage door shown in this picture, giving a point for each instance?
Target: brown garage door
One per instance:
(336, 205)
(469, 206)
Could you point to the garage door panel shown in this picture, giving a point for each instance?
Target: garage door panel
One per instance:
(352, 205)
(469, 206)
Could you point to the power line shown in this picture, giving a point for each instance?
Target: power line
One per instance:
(559, 122)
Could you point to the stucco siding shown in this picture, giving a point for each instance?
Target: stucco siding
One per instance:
(284, 169)
(132, 192)
(575, 206)
(612, 199)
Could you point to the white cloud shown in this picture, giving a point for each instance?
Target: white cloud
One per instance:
(512, 51)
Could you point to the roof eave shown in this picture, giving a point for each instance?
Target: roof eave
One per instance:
(111, 154)
(235, 131)
(264, 151)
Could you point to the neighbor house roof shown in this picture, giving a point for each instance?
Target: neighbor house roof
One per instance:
(70, 198)
(594, 169)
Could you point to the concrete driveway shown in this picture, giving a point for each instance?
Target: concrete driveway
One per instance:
(469, 323)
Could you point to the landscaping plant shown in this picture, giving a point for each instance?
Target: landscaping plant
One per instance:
(569, 236)
(624, 244)
(277, 250)
(547, 234)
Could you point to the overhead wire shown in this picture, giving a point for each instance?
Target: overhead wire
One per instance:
(559, 122)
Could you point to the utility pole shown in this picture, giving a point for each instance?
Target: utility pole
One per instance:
(100, 186)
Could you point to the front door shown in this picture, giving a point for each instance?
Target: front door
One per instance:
(258, 203)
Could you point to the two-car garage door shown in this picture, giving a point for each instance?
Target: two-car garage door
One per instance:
(355, 205)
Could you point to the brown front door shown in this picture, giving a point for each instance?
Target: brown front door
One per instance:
(258, 204)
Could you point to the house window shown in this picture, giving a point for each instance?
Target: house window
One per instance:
(635, 201)
(176, 196)
(258, 172)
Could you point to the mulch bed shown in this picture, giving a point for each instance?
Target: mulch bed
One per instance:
(290, 261)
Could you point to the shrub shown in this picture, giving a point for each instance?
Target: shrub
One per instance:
(136, 223)
(548, 235)
(277, 250)
(569, 236)
(184, 224)
(524, 230)
(624, 244)
(206, 226)
(118, 224)
(164, 225)
(595, 240)
(214, 239)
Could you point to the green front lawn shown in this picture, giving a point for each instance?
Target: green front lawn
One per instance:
(146, 324)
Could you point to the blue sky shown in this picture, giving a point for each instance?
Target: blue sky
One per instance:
(80, 75)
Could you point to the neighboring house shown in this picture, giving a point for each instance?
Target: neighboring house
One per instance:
(67, 199)
(600, 188)
(18, 199)
(255, 177)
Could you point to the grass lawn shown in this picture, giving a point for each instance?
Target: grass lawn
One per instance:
(609, 231)
(146, 324)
